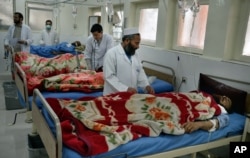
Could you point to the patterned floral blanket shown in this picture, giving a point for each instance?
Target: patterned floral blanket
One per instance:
(95, 125)
(61, 70)
(85, 81)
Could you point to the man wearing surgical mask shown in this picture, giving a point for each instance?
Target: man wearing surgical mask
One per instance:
(48, 36)
(122, 67)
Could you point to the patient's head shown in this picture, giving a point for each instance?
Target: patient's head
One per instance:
(76, 43)
(224, 101)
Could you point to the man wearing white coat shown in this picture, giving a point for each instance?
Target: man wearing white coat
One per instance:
(19, 35)
(122, 67)
(48, 36)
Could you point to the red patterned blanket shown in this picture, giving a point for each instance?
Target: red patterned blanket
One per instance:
(58, 73)
(93, 126)
(85, 81)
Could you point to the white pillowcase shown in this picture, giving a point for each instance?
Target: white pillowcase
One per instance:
(151, 79)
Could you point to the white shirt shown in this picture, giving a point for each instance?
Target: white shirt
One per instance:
(121, 72)
(48, 38)
(95, 51)
(26, 35)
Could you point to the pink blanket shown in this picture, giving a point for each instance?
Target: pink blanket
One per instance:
(95, 125)
(85, 81)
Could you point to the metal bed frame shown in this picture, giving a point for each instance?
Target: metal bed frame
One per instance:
(53, 144)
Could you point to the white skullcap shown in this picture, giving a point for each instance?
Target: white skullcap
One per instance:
(130, 31)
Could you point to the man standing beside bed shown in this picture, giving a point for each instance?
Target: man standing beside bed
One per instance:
(96, 47)
(48, 36)
(122, 67)
(123, 72)
(19, 35)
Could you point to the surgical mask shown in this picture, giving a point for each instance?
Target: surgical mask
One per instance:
(48, 27)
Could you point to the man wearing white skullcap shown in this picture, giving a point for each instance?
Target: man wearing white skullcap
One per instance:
(130, 31)
(122, 67)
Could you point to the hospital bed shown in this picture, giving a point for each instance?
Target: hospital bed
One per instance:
(73, 65)
(163, 82)
(49, 129)
(161, 74)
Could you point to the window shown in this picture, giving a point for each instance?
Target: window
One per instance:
(246, 49)
(39, 10)
(6, 13)
(147, 26)
(191, 30)
(241, 44)
(117, 28)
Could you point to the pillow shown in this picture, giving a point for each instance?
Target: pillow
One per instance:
(151, 79)
(237, 96)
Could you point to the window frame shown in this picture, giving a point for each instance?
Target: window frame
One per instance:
(117, 28)
(244, 16)
(175, 38)
(36, 6)
(120, 8)
(13, 10)
(93, 19)
(146, 5)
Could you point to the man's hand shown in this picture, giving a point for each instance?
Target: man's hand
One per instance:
(88, 62)
(193, 126)
(7, 47)
(131, 90)
(150, 90)
(189, 127)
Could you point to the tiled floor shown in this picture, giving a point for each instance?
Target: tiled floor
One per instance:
(14, 141)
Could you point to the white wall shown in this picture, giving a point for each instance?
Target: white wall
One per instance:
(191, 66)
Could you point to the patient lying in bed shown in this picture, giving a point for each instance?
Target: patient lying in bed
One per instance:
(58, 73)
(119, 118)
(217, 122)
(61, 48)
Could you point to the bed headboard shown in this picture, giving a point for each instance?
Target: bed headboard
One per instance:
(248, 103)
(240, 98)
(163, 72)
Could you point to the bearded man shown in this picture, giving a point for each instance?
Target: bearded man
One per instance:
(122, 67)
(19, 35)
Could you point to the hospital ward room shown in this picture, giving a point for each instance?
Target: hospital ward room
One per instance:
(124, 78)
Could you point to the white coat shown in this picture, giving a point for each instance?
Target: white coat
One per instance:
(48, 38)
(26, 35)
(120, 72)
